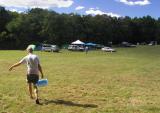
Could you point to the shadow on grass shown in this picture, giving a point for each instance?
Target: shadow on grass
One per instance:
(68, 103)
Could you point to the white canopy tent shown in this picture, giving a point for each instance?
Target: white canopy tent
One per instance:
(78, 42)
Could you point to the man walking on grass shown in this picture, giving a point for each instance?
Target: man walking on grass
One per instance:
(33, 70)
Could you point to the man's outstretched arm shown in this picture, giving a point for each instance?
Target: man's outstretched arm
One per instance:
(14, 65)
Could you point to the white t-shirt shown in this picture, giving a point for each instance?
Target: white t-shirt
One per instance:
(32, 62)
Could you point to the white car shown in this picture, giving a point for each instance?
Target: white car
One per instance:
(75, 48)
(49, 47)
(108, 49)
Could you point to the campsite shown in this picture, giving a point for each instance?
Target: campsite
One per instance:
(79, 56)
(99, 82)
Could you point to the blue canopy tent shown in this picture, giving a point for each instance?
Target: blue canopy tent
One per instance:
(90, 44)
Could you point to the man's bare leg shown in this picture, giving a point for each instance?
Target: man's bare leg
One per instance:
(30, 90)
(36, 94)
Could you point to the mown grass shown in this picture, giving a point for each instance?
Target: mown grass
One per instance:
(127, 81)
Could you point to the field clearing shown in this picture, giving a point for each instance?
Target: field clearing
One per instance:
(127, 81)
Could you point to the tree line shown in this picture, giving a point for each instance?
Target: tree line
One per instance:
(36, 26)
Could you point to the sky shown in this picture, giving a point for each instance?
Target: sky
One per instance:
(114, 8)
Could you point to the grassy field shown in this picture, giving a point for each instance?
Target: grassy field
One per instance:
(127, 81)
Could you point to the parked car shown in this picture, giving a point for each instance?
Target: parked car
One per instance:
(76, 48)
(152, 43)
(49, 47)
(99, 46)
(108, 49)
(72, 47)
(126, 44)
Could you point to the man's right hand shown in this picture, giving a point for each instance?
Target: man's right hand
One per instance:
(10, 69)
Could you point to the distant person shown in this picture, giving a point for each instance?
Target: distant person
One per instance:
(33, 70)
(86, 49)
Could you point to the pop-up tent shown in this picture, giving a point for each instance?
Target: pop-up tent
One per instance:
(78, 42)
(90, 44)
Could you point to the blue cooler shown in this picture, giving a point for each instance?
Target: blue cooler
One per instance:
(42, 82)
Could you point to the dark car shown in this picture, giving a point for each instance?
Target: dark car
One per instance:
(126, 44)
